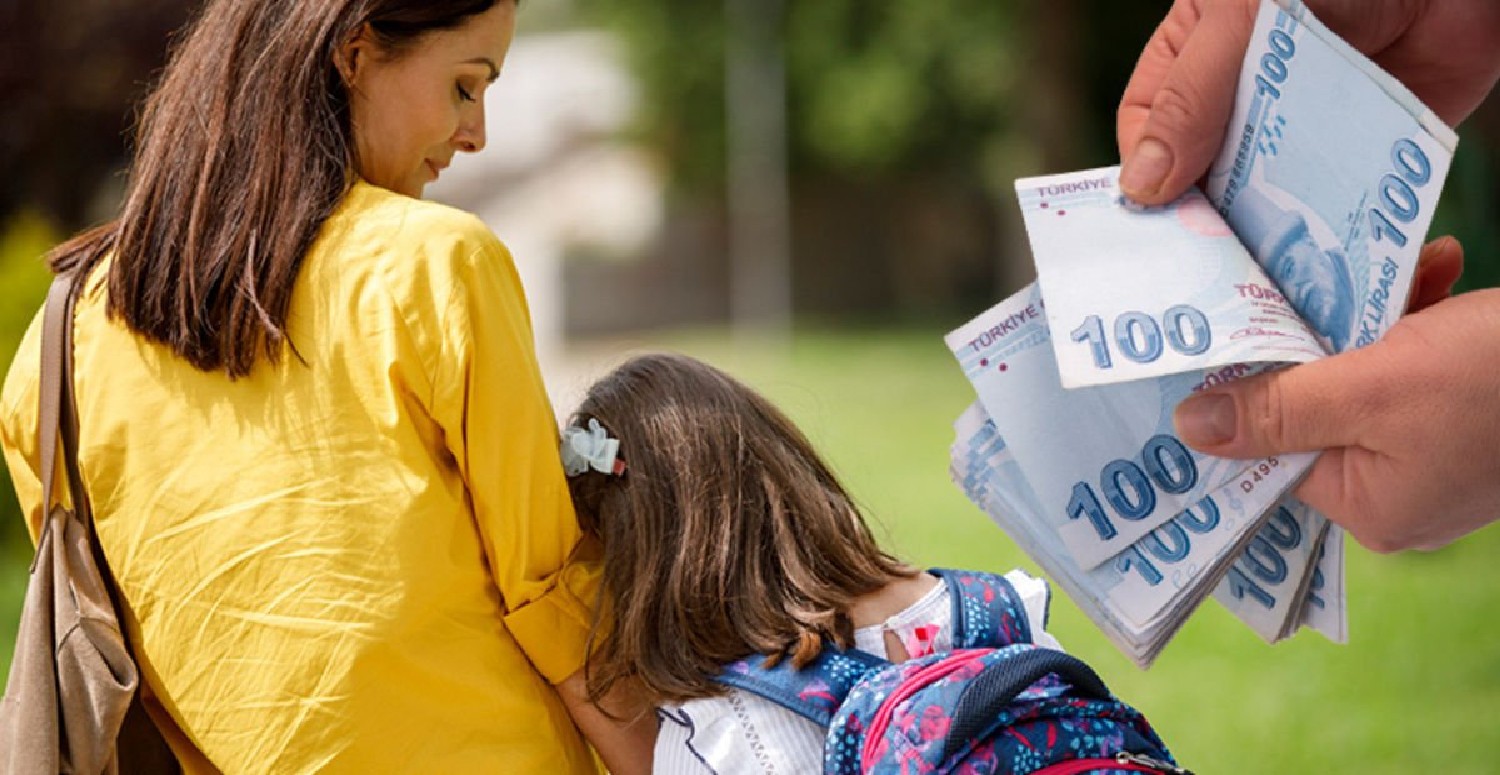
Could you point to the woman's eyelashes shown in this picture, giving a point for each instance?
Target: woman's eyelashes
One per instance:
(464, 94)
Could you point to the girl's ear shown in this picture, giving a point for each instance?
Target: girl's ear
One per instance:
(353, 53)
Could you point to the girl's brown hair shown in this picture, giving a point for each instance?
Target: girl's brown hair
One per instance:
(242, 151)
(725, 536)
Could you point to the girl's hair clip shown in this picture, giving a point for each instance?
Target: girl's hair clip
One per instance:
(592, 448)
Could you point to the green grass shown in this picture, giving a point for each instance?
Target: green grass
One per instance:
(1415, 690)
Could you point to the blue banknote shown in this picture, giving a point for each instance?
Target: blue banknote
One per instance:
(1103, 462)
(1268, 582)
(1141, 597)
(1139, 292)
(1323, 608)
(1329, 175)
(1327, 180)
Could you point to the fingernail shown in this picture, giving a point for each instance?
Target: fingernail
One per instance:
(1146, 169)
(1206, 420)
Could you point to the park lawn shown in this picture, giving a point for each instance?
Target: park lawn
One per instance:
(1416, 689)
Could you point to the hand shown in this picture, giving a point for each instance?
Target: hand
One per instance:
(1410, 425)
(1175, 111)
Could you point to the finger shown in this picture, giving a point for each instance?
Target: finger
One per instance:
(1327, 489)
(1156, 61)
(1313, 406)
(1323, 487)
(1174, 113)
(1439, 266)
(1339, 486)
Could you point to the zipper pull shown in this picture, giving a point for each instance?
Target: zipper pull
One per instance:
(1126, 757)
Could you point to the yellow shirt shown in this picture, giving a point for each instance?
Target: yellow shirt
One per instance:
(347, 561)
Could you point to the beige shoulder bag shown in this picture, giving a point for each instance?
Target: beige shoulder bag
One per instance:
(70, 702)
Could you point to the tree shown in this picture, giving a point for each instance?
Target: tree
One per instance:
(907, 122)
(70, 75)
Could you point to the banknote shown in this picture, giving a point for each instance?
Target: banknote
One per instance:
(1329, 175)
(1104, 463)
(1327, 180)
(1141, 598)
(1138, 292)
(1267, 585)
(1324, 609)
(1008, 344)
(1334, 219)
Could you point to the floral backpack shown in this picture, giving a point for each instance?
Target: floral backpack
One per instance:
(997, 704)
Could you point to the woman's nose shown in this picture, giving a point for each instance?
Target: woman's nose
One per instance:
(470, 134)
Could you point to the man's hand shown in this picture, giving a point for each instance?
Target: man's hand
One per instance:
(1410, 425)
(1176, 108)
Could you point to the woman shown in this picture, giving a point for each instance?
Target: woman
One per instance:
(323, 466)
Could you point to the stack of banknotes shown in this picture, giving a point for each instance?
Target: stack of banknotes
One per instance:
(1303, 243)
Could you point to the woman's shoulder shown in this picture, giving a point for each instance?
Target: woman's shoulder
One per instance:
(411, 246)
(398, 219)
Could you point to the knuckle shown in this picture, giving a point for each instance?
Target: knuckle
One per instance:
(1175, 107)
(1266, 417)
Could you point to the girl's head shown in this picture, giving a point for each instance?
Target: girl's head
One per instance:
(725, 535)
(264, 114)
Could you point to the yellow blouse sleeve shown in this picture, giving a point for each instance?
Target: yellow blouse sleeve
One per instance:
(18, 427)
(497, 422)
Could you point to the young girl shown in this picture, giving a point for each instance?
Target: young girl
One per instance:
(725, 535)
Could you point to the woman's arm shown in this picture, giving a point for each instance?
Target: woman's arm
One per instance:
(625, 744)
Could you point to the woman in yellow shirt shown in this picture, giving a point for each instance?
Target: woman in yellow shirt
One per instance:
(323, 466)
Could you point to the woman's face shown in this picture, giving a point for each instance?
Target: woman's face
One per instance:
(412, 111)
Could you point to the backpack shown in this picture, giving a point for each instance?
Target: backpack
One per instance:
(996, 704)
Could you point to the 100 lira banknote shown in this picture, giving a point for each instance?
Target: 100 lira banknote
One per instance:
(1302, 244)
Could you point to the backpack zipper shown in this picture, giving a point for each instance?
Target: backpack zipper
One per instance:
(955, 660)
(1126, 757)
(1131, 762)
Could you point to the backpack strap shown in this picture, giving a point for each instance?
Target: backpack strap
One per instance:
(988, 694)
(987, 611)
(814, 692)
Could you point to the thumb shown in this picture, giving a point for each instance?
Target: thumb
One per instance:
(1173, 116)
(1307, 407)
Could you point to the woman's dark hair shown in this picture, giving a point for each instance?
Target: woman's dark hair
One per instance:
(725, 536)
(243, 149)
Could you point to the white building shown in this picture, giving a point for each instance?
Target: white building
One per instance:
(553, 177)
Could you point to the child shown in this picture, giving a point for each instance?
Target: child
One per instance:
(725, 535)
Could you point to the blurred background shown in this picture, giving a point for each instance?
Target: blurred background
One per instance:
(810, 193)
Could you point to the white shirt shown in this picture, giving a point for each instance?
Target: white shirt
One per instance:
(740, 733)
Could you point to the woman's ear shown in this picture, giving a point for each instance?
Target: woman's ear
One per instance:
(353, 53)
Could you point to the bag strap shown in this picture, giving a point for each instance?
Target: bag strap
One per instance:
(814, 692)
(59, 412)
(989, 693)
(987, 613)
(987, 610)
(59, 421)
